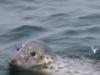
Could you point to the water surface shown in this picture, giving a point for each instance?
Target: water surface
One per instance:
(69, 27)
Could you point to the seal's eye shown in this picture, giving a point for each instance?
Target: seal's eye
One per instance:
(33, 53)
(17, 49)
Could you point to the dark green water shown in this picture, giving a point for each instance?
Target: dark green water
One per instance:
(69, 27)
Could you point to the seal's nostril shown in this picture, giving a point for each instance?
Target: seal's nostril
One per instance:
(13, 61)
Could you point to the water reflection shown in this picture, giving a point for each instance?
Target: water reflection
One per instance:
(23, 72)
(17, 71)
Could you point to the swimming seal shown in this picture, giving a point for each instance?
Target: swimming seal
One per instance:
(33, 55)
(37, 57)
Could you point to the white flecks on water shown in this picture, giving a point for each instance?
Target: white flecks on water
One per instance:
(94, 50)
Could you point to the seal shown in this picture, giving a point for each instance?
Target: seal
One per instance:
(33, 55)
(36, 56)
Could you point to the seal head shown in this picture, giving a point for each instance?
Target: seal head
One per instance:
(32, 56)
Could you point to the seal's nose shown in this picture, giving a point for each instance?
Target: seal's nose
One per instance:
(13, 62)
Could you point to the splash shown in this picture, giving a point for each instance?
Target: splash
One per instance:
(94, 49)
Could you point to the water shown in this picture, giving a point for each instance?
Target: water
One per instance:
(69, 27)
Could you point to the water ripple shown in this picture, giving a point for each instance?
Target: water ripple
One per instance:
(94, 29)
(58, 16)
(20, 32)
(92, 16)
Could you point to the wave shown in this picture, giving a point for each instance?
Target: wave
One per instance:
(20, 32)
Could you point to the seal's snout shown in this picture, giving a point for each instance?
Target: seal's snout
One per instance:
(12, 62)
